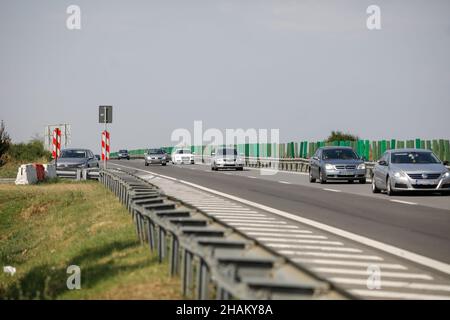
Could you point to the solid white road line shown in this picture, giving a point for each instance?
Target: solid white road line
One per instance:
(319, 248)
(284, 182)
(332, 190)
(395, 284)
(404, 202)
(352, 263)
(280, 227)
(280, 232)
(303, 236)
(331, 255)
(397, 295)
(383, 274)
(250, 220)
(238, 214)
(405, 254)
(232, 211)
(305, 241)
(243, 216)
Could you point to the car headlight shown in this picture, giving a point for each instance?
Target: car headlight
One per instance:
(399, 174)
(84, 165)
(219, 160)
(329, 166)
(362, 166)
(447, 174)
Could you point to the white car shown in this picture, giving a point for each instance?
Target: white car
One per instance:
(181, 156)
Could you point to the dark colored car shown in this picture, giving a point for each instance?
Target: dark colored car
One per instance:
(123, 154)
(76, 159)
(337, 163)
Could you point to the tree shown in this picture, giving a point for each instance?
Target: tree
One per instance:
(5, 141)
(340, 136)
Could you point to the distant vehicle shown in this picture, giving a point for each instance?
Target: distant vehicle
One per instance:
(123, 154)
(97, 156)
(180, 156)
(76, 159)
(337, 163)
(226, 158)
(410, 170)
(155, 156)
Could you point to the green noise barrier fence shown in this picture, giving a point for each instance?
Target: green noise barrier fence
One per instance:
(370, 150)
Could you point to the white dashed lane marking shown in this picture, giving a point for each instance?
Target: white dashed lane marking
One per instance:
(404, 202)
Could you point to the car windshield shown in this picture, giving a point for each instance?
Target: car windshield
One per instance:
(181, 151)
(339, 154)
(73, 154)
(226, 152)
(414, 157)
(155, 151)
(123, 151)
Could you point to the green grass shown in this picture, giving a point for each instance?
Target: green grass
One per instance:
(48, 227)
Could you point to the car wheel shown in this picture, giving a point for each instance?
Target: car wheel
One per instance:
(363, 181)
(311, 179)
(322, 178)
(389, 190)
(146, 163)
(374, 186)
(240, 169)
(350, 181)
(163, 164)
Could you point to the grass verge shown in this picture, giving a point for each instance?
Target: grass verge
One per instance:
(48, 227)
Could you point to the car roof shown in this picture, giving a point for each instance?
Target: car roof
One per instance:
(409, 150)
(335, 147)
(75, 149)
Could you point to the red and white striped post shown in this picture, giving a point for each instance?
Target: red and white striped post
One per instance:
(105, 146)
(56, 143)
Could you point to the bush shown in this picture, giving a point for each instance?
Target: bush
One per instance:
(5, 142)
(29, 151)
(340, 136)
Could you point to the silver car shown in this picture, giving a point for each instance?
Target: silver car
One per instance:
(71, 159)
(410, 170)
(155, 156)
(226, 158)
(336, 163)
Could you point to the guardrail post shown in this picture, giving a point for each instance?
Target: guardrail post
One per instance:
(186, 275)
(174, 255)
(202, 280)
(161, 244)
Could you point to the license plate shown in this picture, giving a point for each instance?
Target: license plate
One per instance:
(424, 182)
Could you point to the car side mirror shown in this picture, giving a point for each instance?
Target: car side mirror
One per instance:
(315, 158)
(445, 163)
(382, 163)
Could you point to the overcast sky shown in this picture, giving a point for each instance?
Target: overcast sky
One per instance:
(304, 67)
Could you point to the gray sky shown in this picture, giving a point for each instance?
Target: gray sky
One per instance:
(305, 67)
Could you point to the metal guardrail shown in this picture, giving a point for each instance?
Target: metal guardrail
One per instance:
(79, 174)
(213, 259)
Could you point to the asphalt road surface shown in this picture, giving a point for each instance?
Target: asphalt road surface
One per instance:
(418, 224)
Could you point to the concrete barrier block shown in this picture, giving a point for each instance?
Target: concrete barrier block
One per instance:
(50, 171)
(26, 174)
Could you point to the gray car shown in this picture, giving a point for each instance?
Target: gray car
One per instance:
(336, 163)
(71, 159)
(226, 158)
(410, 170)
(155, 156)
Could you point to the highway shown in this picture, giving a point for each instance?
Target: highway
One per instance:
(416, 227)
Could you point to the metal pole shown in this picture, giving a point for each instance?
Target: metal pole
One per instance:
(106, 140)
